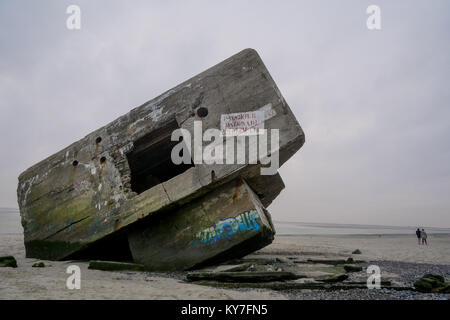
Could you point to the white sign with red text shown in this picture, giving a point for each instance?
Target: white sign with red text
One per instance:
(242, 123)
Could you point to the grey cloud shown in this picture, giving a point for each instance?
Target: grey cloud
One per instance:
(373, 104)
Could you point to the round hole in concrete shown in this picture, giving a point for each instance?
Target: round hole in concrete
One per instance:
(75, 163)
(102, 160)
(98, 140)
(202, 112)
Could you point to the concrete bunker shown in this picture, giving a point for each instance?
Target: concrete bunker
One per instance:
(116, 195)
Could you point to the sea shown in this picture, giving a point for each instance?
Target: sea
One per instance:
(10, 221)
(10, 224)
(307, 228)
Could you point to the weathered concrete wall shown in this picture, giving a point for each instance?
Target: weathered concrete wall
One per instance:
(84, 193)
(230, 217)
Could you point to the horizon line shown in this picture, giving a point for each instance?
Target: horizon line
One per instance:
(359, 224)
(304, 222)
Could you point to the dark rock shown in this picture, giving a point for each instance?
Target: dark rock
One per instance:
(115, 266)
(432, 283)
(350, 268)
(445, 288)
(334, 278)
(251, 268)
(385, 283)
(241, 267)
(39, 265)
(357, 251)
(8, 261)
(258, 261)
(423, 285)
(332, 262)
(289, 285)
(242, 276)
(435, 277)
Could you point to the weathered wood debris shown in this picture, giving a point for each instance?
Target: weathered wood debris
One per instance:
(117, 194)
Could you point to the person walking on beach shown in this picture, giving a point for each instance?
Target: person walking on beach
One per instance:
(423, 234)
(418, 235)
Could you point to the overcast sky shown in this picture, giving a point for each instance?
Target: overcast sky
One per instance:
(374, 104)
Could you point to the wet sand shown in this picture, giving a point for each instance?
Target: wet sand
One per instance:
(402, 248)
(26, 282)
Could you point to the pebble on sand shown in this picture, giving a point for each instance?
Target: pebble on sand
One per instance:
(38, 265)
(8, 261)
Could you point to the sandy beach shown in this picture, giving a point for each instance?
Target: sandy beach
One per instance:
(396, 255)
(402, 248)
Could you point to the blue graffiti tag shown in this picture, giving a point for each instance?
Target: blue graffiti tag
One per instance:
(226, 228)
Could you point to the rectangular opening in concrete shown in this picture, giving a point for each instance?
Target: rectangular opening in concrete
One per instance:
(150, 160)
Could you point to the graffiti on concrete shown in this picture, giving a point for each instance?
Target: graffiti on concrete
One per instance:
(226, 228)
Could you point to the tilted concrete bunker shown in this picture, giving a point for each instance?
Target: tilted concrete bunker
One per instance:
(117, 195)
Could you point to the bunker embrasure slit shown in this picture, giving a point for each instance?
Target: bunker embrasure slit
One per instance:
(150, 161)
